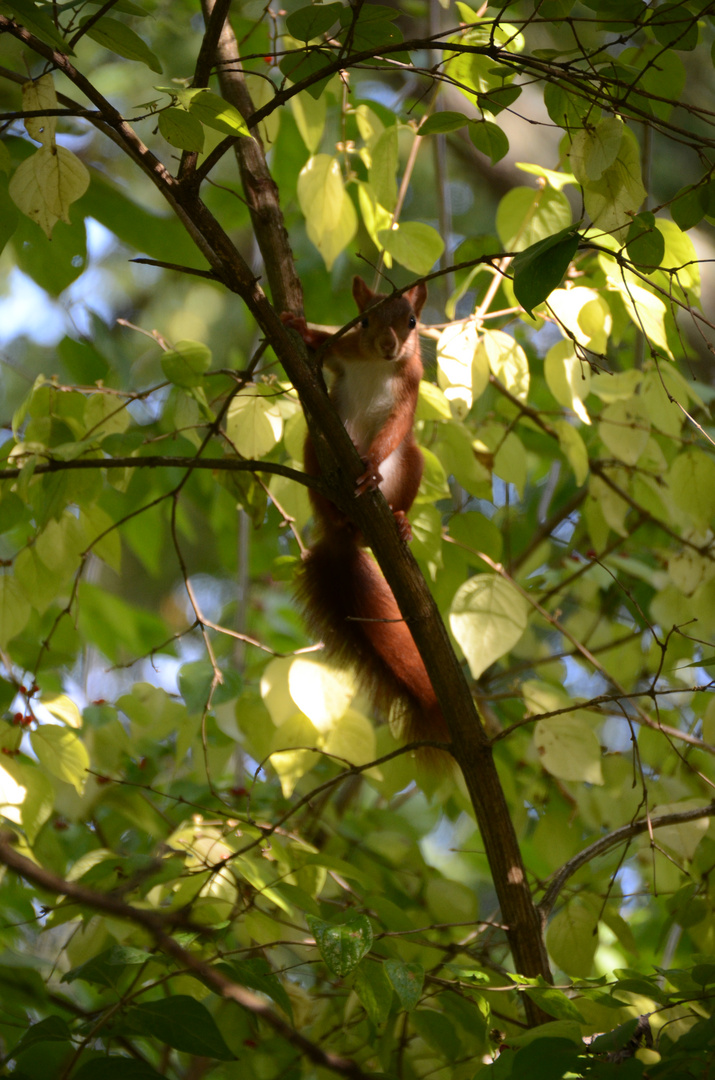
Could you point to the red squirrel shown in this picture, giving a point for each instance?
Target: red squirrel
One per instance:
(346, 600)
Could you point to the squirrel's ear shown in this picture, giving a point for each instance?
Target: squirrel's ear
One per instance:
(362, 294)
(417, 296)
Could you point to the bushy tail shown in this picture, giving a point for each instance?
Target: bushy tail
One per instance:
(348, 603)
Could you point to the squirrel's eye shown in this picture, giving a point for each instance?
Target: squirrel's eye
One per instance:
(412, 323)
(365, 322)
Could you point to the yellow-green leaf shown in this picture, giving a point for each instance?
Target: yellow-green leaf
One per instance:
(185, 364)
(46, 184)
(254, 423)
(27, 796)
(321, 692)
(568, 378)
(415, 245)
(309, 115)
(507, 361)
(40, 94)
(571, 938)
(330, 216)
(216, 113)
(691, 481)
(573, 448)
(14, 609)
(624, 428)
(569, 749)
(62, 753)
(487, 617)
(64, 709)
(462, 368)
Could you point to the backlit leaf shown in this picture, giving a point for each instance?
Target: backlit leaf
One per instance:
(487, 617)
(40, 94)
(14, 608)
(415, 245)
(568, 748)
(62, 753)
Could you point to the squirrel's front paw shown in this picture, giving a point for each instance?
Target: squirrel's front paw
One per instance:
(370, 479)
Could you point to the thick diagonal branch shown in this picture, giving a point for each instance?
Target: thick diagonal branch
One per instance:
(259, 187)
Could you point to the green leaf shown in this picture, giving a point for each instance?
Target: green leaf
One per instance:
(342, 945)
(113, 625)
(415, 245)
(675, 26)
(373, 28)
(617, 1039)
(122, 40)
(108, 967)
(555, 1002)
(407, 979)
(498, 98)
(437, 1031)
(52, 1029)
(257, 974)
(37, 21)
(444, 121)
(489, 139)
(181, 1022)
(312, 21)
(301, 65)
(116, 1067)
(571, 938)
(185, 364)
(689, 206)
(547, 1059)
(216, 113)
(487, 617)
(9, 216)
(539, 269)
(645, 243)
(374, 990)
(182, 129)
(14, 609)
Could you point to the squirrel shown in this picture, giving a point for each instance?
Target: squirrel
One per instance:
(345, 599)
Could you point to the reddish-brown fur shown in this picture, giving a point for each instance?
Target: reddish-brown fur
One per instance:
(346, 599)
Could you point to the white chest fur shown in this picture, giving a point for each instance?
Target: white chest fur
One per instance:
(365, 397)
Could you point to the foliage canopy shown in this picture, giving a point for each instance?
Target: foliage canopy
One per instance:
(214, 861)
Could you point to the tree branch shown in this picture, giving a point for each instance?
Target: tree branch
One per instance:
(259, 186)
(168, 462)
(157, 926)
(619, 836)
